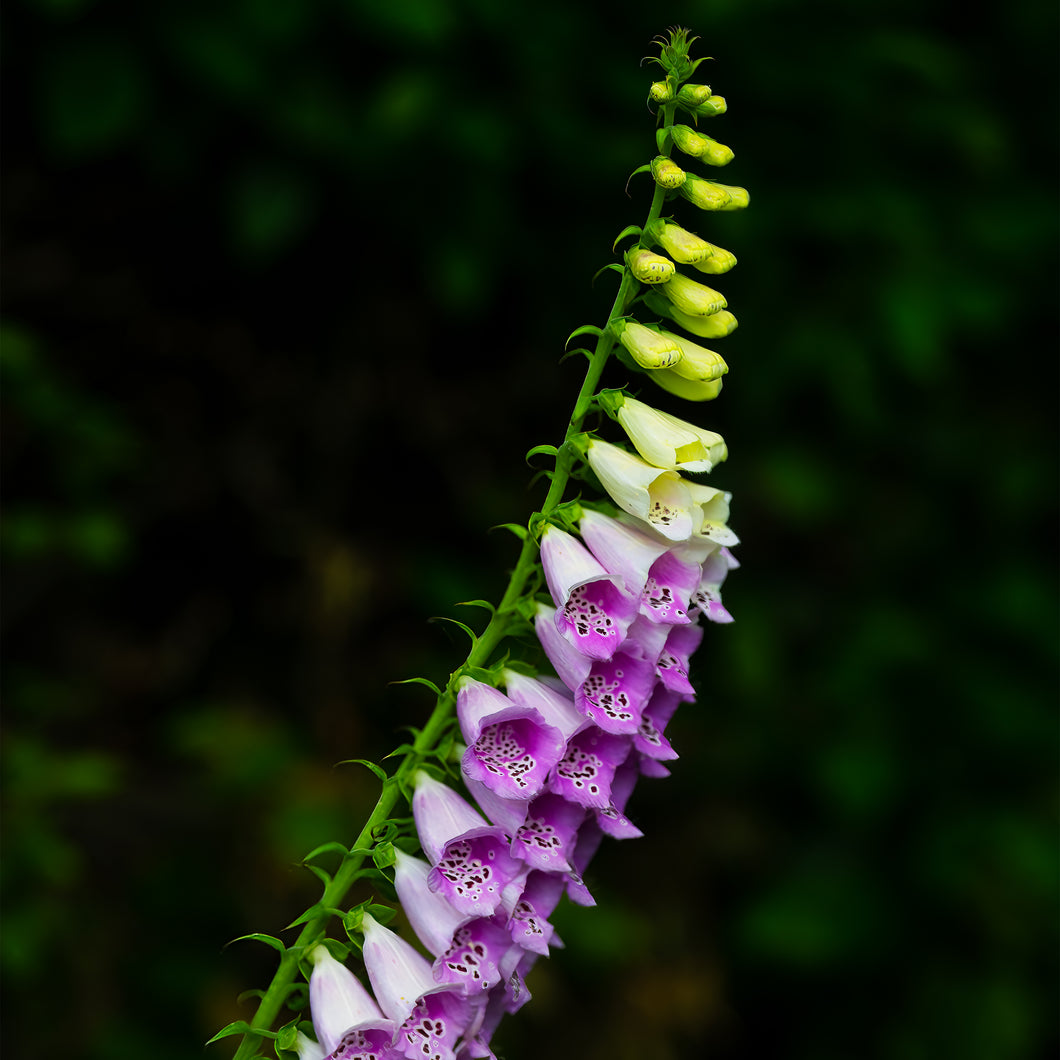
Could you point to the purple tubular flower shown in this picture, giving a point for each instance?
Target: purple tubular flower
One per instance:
(585, 774)
(673, 661)
(707, 596)
(473, 951)
(347, 1021)
(613, 819)
(547, 837)
(528, 923)
(472, 862)
(593, 612)
(650, 740)
(432, 1018)
(510, 748)
(609, 692)
(555, 706)
(658, 580)
(506, 814)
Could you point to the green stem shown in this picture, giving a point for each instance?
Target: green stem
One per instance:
(503, 618)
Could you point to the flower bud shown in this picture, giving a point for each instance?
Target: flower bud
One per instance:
(684, 247)
(661, 92)
(668, 442)
(715, 326)
(719, 261)
(699, 146)
(690, 390)
(693, 95)
(666, 172)
(711, 107)
(693, 298)
(649, 267)
(698, 364)
(649, 348)
(708, 195)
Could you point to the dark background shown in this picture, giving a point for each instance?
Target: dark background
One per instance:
(286, 285)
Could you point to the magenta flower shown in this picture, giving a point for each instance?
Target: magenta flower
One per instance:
(612, 819)
(347, 1021)
(476, 952)
(650, 741)
(673, 661)
(471, 859)
(593, 610)
(546, 838)
(431, 1018)
(510, 748)
(585, 774)
(652, 574)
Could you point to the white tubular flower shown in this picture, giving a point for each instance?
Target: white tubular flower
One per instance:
(660, 498)
(711, 514)
(669, 442)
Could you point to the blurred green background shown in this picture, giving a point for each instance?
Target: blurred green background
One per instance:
(286, 284)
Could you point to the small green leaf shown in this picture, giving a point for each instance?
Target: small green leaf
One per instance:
(321, 874)
(515, 528)
(327, 848)
(383, 855)
(467, 629)
(419, 681)
(548, 450)
(240, 1027)
(585, 329)
(269, 940)
(630, 230)
(381, 774)
(314, 911)
(248, 994)
(476, 603)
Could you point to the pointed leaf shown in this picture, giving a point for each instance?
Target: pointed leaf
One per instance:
(314, 911)
(548, 450)
(321, 874)
(515, 528)
(629, 230)
(364, 761)
(240, 1027)
(585, 329)
(419, 681)
(467, 629)
(256, 936)
(477, 603)
(327, 848)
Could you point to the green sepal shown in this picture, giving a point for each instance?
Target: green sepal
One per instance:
(479, 603)
(613, 267)
(548, 450)
(383, 855)
(629, 230)
(610, 401)
(413, 681)
(585, 329)
(240, 1027)
(287, 1035)
(575, 352)
(519, 531)
(381, 774)
(640, 169)
(404, 749)
(257, 936)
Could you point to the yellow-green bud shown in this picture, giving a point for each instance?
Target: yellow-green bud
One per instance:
(660, 92)
(649, 267)
(708, 195)
(693, 95)
(684, 247)
(667, 173)
(699, 146)
(715, 326)
(719, 261)
(712, 107)
(698, 363)
(691, 297)
(649, 348)
(689, 389)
